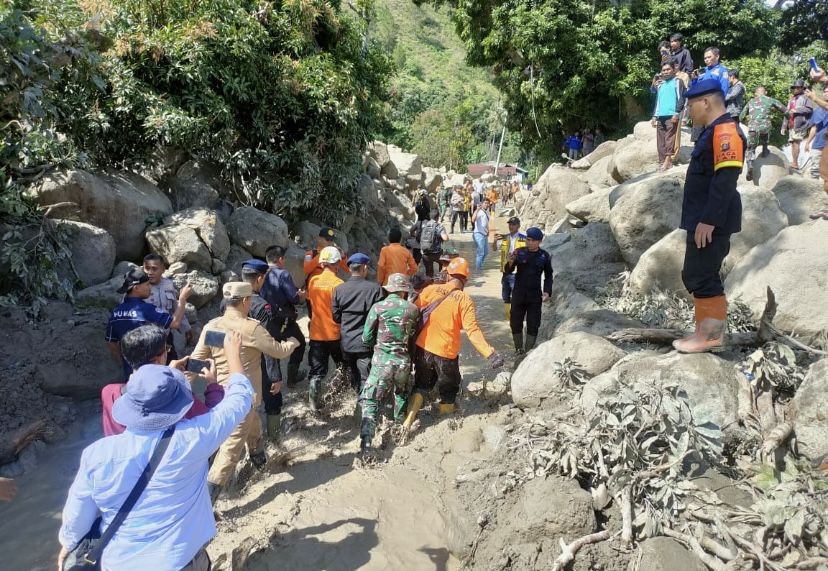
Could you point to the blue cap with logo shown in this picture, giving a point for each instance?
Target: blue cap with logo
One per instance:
(704, 87)
(256, 265)
(534, 234)
(359, 258)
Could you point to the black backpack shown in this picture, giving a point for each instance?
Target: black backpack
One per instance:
(430, 241)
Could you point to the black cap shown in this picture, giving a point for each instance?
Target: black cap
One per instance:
(327, 233)
(798, 83)
(513, 220)
(133, 278)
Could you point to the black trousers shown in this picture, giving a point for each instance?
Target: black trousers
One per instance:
(286, 323)
(455, 214)
(428, 261)
(272, 403)
(359, 365)
(701, 273)
(318, 354)
(531, 312)
(431, 370)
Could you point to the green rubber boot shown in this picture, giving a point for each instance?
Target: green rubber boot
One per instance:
(274, 428)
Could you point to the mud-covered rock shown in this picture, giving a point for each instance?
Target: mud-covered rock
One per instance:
(589, 259)
(92, 249)
(594, 207)
(255, 230)
(666, 554)
(799, 197)
(205, 286)
(767, 171)
(811, 412)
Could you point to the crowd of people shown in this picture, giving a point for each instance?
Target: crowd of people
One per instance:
(805, 119)
(177, 427)
(581, 143)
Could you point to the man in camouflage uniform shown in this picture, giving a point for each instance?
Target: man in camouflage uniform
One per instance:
(389, 328)
(759, 125)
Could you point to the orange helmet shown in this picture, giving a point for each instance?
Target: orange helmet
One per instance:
(458, 266)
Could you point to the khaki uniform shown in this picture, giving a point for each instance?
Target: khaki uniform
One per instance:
(255, 341)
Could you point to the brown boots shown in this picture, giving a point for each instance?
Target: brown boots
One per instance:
(711, 322)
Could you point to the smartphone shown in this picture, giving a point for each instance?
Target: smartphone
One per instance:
(196, 365)
(813, 63)
(214, 339)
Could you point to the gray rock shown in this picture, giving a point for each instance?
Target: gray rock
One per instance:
(589, 259)
(92, 249)
(659, 267)
(176, 268)
(367, 192)
(255, 230)
(118, 202)
(767, 171)
(556, 188)
(495, 436)
(235, 258)
(217, 266)
(794, 265)
(633, 159)
(372, 167)
(811, 410)
(179, 243)
(208, 226)
(102, 295)
(205, 286)
(799, 197)
(646, 212)
(594, 207)
(552, 241)
(602, 151)
(379, 152)
(762, 219)
(600, 322)
(533, 381)
(194, 184)
(599, 173)
(432, 179)
(666, 554)
(121, 269)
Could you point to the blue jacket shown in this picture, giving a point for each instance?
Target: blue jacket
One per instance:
(717, 72)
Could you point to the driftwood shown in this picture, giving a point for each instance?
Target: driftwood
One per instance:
(568, 551)
(767, 332)
(17, 440)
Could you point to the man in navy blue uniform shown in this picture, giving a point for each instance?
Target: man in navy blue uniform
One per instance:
(531, 263)
(280, 291)
(134, 312)
(711, 211)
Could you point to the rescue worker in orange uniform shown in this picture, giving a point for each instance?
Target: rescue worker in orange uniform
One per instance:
(311, 264)
(445, 310)
(711, 212)
(324, 331)
(395, 258)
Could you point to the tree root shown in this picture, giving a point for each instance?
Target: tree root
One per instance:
(626, 516)
(568, 551)
(702, 547)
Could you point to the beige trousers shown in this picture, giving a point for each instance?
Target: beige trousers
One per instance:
(249, 433)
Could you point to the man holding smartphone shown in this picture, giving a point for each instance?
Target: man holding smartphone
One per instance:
(255, 341)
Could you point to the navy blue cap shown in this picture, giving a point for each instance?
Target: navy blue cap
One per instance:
(534, 234)
(327, 233)
(359, 258)
(256, 265)
(704, 87)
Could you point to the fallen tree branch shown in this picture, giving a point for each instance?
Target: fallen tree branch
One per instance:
(706, 543)
(712, 562)
(626, 516)
(568, 551)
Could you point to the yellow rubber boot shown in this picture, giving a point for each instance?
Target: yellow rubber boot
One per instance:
(444, 409)
(508, 307)
(414, 406)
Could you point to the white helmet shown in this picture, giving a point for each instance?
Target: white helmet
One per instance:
(329, 255)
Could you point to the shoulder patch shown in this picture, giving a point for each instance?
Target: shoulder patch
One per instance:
(728, 148)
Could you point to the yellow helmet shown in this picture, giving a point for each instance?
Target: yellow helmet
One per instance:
(329, 255)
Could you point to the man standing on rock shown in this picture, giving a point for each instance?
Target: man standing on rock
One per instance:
(389, 328)
(164, 296)
(531, 263)
(711, 212)
(800, 109)
(324, 331)
(135, 311)
(279, 290)
(255, 341)
(446, 309)
(508, 244)
(759, 110)
(669, 107)
(351, 303)
(681, 55)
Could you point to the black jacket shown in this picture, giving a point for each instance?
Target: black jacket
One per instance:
(684, 60)
(351, 303)
(531, 266)
(710, 194)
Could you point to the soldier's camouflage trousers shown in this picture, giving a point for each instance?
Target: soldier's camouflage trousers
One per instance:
(388, 374)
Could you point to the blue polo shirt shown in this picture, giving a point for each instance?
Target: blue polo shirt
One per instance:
(819, 119)
(132, 313)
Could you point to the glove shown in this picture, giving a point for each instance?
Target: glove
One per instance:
(495, 360)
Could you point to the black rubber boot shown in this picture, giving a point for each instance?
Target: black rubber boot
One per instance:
(258, 458)
(366, 435)
(295, 375)
(314, 396)
(518, 340)
(214, 490)
(530, 342)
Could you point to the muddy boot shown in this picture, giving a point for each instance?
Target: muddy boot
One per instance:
(258, 459)
(314, 394)
(530, 342)
(295, 375)
(446, 408)
(517, 338)
(711, 322)
(214, 490)
(414, 406)
(508, 308)
(366, 435)
(274, 426)
(399, 407)
(764, 151)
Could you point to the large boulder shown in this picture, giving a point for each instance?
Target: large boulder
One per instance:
(101, 295)
(372, 168)
(194, 236)
(403, 165)
(645, 212)
(432, 179)
(767, 171)
(236, 258)
(799, 197)
(205, 286)
(556, 188)
(194, 184)
(255, 230)
(762, 219)
(811, 410)
(118, 202)
(594, 207)
(589, 259)
(659, 267)
(599, 174)
(633, 159)
(602, 151)
(92, 250)
(379, 152)
(534, 381)
(794, 265)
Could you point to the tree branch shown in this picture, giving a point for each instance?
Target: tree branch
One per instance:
(568, 551)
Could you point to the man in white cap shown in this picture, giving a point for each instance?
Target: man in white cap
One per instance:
(255, 341)
(171, 520)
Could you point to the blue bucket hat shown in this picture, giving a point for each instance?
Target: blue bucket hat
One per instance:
(157, 397)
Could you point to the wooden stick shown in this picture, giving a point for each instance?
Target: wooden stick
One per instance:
(712, 562)
(568, 551)
(626, 516)
(706, 543)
